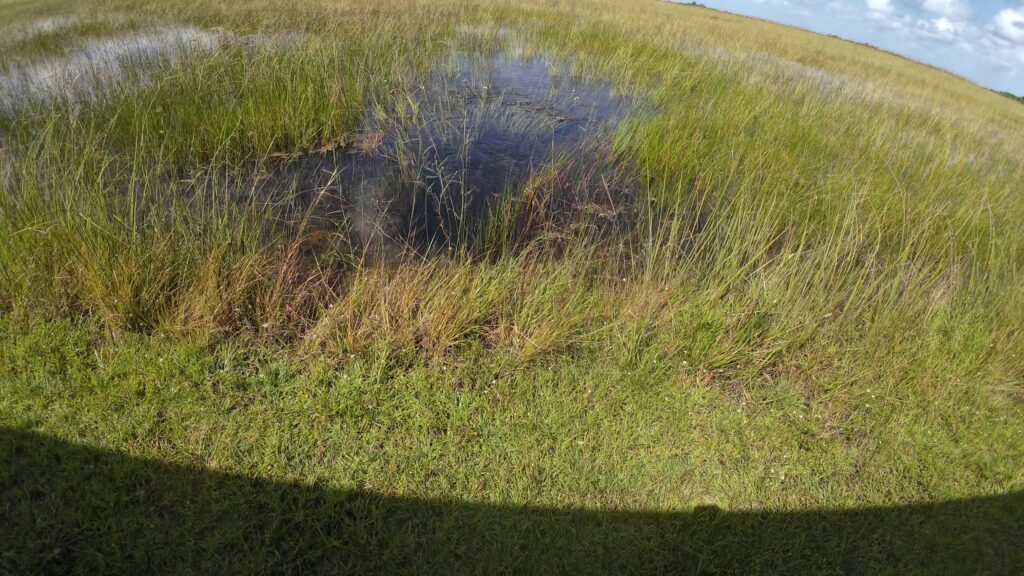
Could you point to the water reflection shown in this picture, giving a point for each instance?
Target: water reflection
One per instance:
(429, 170)
(99, 66)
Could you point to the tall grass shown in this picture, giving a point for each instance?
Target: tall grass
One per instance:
(811, 211)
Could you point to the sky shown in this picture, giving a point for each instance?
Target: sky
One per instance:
(981, 40)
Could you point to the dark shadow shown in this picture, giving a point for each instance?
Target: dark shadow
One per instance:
(66, 508)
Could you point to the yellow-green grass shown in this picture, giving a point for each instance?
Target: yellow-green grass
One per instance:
(817, 306)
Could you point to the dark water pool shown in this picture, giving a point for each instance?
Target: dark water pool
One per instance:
(430, 170)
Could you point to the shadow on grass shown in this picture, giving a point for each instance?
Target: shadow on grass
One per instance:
(66, 508)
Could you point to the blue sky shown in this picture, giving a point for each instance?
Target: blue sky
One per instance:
(982, 40)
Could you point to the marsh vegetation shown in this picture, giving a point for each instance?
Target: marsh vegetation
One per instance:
(610, 255)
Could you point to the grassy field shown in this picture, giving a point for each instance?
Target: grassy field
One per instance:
(765, 317)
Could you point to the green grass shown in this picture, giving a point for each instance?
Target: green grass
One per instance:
(809, 319)
(185, 519)
(383, 463)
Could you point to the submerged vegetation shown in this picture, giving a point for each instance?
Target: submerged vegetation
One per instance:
(593, 253)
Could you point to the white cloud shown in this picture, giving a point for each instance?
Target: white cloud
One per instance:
(881, 6)
(942, 29)
(944, 25)
(885, 13)
(842, 9)
(947, 8)
(1009, 25)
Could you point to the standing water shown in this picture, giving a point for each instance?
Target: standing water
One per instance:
(508, 134)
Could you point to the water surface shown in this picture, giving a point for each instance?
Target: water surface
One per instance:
(430, 170)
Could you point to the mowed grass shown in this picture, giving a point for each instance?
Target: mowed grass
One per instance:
(816, 305)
